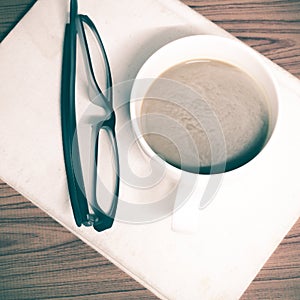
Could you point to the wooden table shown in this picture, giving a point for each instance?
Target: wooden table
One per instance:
(39, 259)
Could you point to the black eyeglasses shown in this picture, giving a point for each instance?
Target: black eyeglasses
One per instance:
(86, 211)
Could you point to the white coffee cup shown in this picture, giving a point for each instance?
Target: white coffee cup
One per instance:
(193, 48)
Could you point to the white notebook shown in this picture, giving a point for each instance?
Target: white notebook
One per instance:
(252, 212)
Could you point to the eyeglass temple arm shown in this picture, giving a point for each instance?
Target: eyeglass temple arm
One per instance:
(68, 123)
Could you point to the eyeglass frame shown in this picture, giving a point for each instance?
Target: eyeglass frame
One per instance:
(79, 202)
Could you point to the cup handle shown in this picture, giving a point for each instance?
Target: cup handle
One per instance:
(190, 193)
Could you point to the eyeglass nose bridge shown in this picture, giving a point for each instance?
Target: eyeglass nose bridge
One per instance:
(99, 99)
(96, 112)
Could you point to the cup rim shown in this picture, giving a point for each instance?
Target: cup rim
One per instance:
(142, 74)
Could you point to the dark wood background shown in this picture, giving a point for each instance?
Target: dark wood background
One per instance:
(39, 259)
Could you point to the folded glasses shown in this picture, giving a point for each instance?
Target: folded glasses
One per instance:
(84, 196)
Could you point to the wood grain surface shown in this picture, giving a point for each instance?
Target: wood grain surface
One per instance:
(39, 259)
